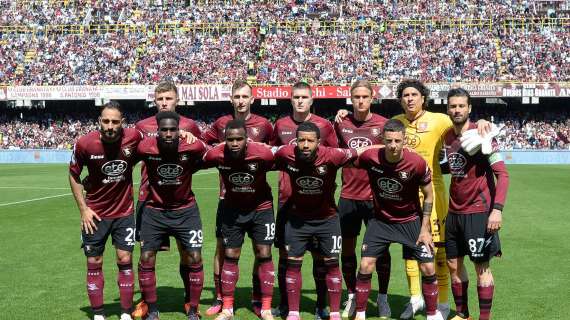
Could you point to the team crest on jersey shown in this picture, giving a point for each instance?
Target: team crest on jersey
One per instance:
(375, 132)
(184, 157)
(127, 152)
(422, 126)
(322, 170)
(255, 131)
(404, 175)
(253, 166)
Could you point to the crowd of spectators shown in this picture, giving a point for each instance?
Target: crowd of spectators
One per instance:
(59, 131)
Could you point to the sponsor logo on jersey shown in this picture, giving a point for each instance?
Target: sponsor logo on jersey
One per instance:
(457, 161)
(375, 132)
(169, 170)
(253, 166)
(255, 131)
(403, 175)
(286, 132)
(375, 169)
(322, 170)
(308, 182)
(358, 142)
(344, 130)
(241, 179)
(154, 158)
(114, 168)
(412, 140)
(389, 185)
(291, 168)
(96, 156)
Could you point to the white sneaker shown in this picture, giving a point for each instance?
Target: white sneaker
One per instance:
(443, 308)
(416, 304)
(98, 317)
(384, 311)
(126, 316)
(436, 316)
(349, 306)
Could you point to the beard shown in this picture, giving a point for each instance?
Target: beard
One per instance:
(302, 157)
(168, 149)
(234, 155)
(111, 136)
(459, 122)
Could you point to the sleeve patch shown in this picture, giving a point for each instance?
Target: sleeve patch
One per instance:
(494, 158)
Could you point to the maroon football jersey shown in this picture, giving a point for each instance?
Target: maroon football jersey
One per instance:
(244, 179)
(170, 180)
(258, 129)
(109, 185)
(395, 186)
(313, 185)
(285, 133)
(355, 134)
(473, 188)
(148, 127)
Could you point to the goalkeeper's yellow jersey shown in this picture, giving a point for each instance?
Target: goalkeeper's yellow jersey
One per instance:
(425, 136)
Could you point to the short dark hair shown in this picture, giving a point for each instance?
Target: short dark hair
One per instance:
(240, 83)
(167, 115)
(420, 86)
(236, 124)
(165, 86)
(112, 105)
(394, 125)
(459, 92)
(308, 126)
(301, 85)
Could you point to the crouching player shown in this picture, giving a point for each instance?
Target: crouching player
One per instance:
(475, 208)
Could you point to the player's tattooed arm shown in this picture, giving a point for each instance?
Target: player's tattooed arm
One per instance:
(425, 231)
(87, 215)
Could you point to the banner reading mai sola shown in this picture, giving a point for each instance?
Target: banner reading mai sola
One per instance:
(215, 92)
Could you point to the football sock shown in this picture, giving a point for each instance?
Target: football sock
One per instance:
(218, 286)
(126, 283)
(147, 282)
(230, 275)
(459, 290)
(383, 268)
(281, 274)
(95, 285)
(255, 285)
(334, 284)
(294, 283)
(266, 272)
(196, 283)
(413, 276)
(442, 274)
(363, 285)
(485, 301)
(349, 272)
(320, 276)
(183, 269)
(429, 289)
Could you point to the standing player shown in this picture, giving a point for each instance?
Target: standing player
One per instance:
(475, 209)
(170, 209)
(166, 99)
(395, 176)
(107, 208)
(360, 129)
(284, 133)
(259, 129)
(247, 207)
(311, 211)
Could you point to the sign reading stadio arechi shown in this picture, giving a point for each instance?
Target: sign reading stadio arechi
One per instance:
(222, 92)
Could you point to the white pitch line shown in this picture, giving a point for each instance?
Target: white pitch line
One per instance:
(36, 188)
(32, 200)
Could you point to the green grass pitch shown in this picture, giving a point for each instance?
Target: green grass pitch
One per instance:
(42, 269)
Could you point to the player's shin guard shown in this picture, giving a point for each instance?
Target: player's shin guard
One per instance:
(349, 272)
(459, 290)
(183, 269)
(266, 273)
(442, 274)
(334, 284)
(413, 276)
(196, 283)
(429, 289)
(147, 281)
(383, 268)
(294, 283)
(230, 276)
(320, 276)
(95, 285)
(485, 301)
(363, 285)
(126, 283)
(281, 274)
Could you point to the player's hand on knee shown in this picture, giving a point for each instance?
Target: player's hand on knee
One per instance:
(495, 221)
(340, 115)
(87, 223)
(426, 239)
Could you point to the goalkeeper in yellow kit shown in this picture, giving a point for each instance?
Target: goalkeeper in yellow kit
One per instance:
(424, 133)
